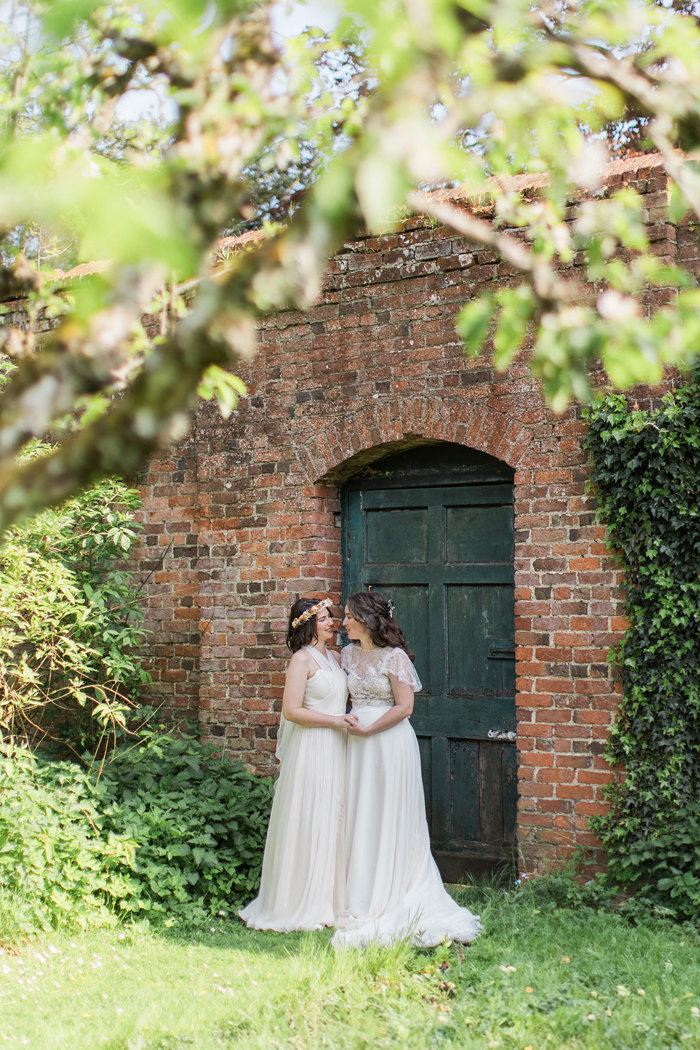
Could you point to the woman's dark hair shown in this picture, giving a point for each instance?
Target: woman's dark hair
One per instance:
(304, 633)
(373, 610)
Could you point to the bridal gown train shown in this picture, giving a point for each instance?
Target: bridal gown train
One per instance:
(394, 889)
(302, 882)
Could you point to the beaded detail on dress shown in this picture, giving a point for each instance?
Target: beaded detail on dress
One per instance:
(368, 674)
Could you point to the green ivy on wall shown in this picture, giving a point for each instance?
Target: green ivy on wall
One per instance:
(646, 477)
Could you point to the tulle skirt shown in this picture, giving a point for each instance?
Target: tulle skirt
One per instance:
(302, 882)
(393, 887)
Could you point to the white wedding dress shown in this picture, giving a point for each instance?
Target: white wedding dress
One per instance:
(302, 882)
(393, 886)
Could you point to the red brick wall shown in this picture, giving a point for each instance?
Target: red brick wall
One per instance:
(242, 512)
(170, 573)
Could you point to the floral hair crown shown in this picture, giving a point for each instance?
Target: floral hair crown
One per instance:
(325, 603)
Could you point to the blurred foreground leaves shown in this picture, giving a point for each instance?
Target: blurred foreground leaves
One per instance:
(130, 133)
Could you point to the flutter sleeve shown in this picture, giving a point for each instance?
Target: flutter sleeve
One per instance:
(398, 663)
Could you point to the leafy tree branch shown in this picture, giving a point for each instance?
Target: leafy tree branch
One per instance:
(436, 93)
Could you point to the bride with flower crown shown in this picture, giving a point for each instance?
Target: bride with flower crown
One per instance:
(392, 885)
(303, 875)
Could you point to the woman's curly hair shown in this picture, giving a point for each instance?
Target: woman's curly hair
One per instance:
(374, 611)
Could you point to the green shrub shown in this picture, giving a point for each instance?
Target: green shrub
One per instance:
(58, 867)
(167, 830)
(564, 887)
(664, 867)
(199, 821)
(70, 624)
(646, 466)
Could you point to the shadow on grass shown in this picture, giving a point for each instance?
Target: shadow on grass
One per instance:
(505, 910)
(233, 934)
(478, 895)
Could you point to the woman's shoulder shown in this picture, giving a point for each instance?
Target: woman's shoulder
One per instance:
(394, 653)
(301, 658)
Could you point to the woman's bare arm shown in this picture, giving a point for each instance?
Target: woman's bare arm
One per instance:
(301, 668)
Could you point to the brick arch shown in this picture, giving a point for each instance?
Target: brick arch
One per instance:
(328, 455)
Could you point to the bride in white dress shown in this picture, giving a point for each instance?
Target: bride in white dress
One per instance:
(393, 886)
(303, 875)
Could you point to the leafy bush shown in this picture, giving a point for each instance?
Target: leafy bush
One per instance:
(199, 821)
(166, 830)
(646, 466)
(57, 866)
(663, 867)
(70, 625)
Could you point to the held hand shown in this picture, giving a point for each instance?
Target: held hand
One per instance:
(345, 721)
(360, 730)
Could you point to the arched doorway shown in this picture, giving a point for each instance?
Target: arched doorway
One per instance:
(432, 528)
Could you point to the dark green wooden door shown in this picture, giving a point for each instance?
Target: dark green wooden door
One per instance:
(432, 528)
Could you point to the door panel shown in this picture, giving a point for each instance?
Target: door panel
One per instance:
(464, 813)
(478, 620)
(444, 553)
(479, 533)
(400, 534)
(425, 745)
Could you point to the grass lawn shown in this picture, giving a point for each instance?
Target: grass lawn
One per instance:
(538, 977)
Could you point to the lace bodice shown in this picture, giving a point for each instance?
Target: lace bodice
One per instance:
(368, 674)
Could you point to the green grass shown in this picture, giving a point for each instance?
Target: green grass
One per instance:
(539, 977)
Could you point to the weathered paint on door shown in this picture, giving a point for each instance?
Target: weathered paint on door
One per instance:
(432, 528)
